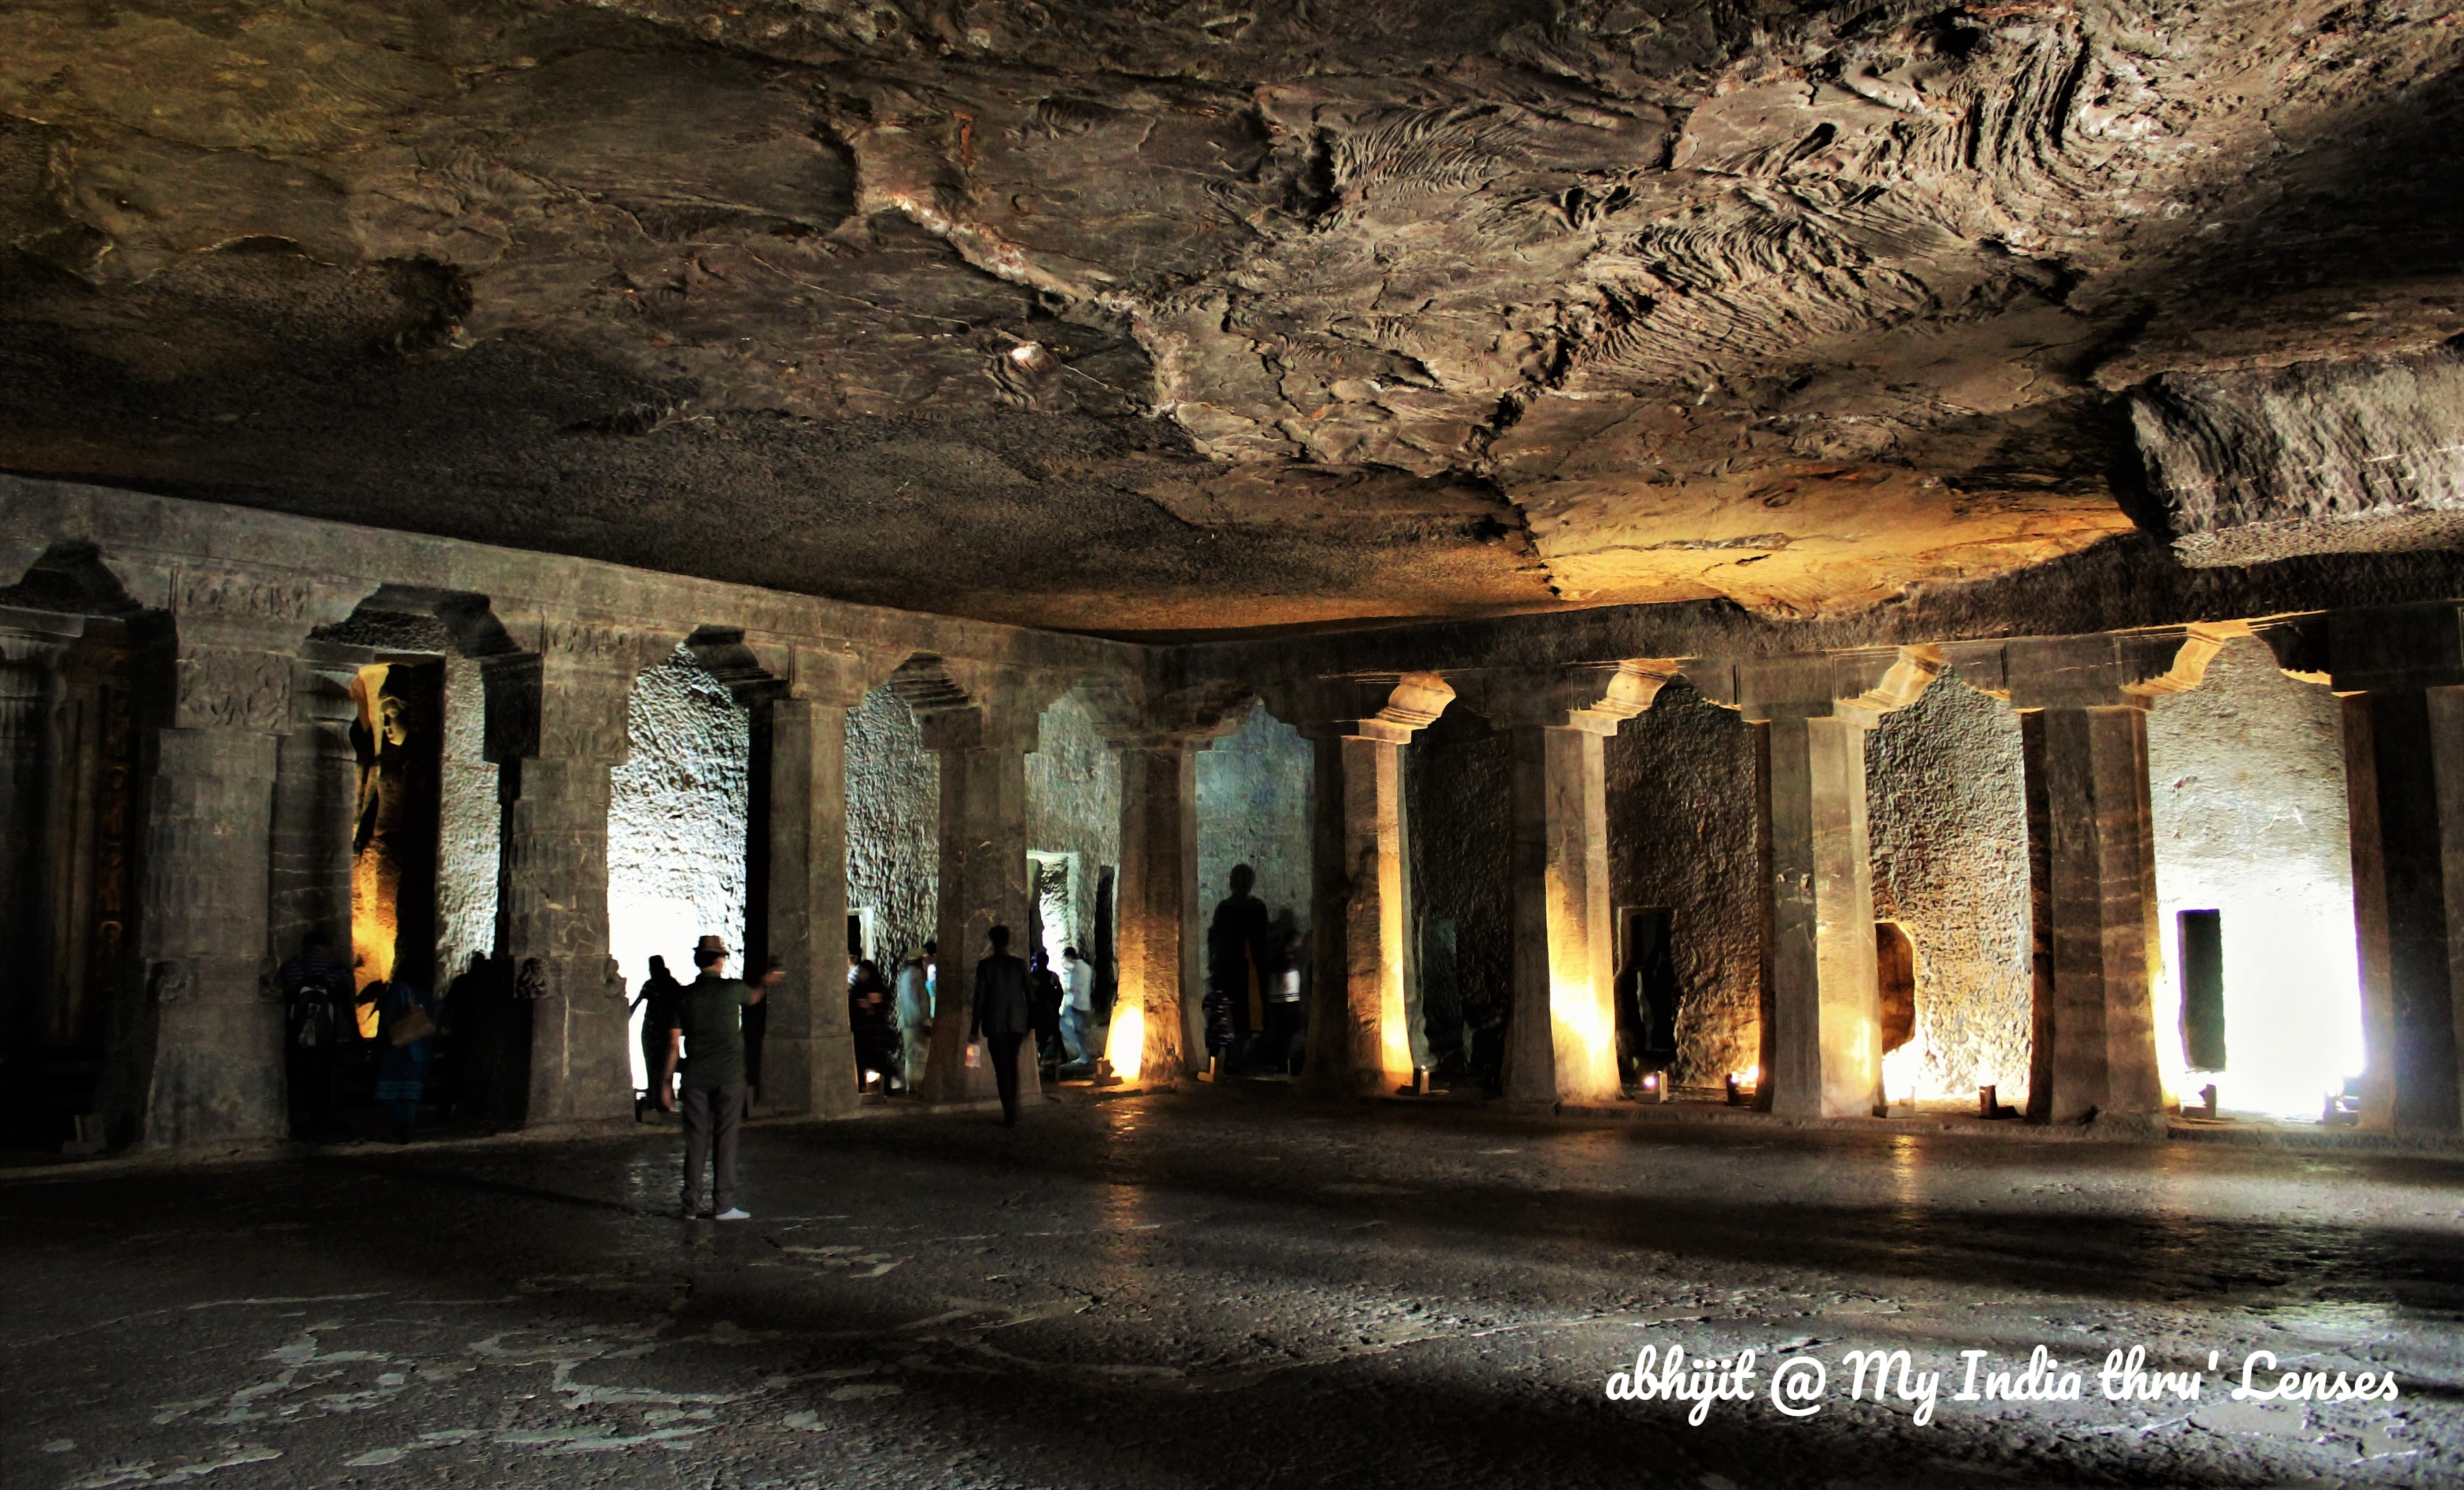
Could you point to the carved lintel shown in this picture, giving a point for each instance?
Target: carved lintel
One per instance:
(2397, 647)
(1593, 697)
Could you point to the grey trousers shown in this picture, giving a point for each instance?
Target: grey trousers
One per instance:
(713, 1111)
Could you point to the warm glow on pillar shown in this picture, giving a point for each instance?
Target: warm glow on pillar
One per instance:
(373, 891)
(1126, 1046)
(1578, 1011)
(1393, 1034)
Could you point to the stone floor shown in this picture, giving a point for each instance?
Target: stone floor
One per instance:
(1224, 1288)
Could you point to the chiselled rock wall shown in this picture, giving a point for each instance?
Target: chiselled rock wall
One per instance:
(2247, 777)
(1459, 784)
(1946, 808)
(1253, 808)
(469, 822)
(676, 820)
(1681, 807)
(893, 819)
(1074, 806)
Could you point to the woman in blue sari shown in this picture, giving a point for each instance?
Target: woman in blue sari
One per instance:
(407, 1029)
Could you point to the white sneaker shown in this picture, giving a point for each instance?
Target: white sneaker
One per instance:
(734, 1213)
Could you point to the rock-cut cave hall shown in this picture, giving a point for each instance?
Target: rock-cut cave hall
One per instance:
(1723, 743)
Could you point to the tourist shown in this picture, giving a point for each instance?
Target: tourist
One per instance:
(1239, 946)
(1044, 984)
(1002, 1018)
(406, 1042)
(876, 1034)
(1282, 1005)
(657, 1007)
(312, 985)
(708, 1037)
(1078, 1012)
(914, 1011)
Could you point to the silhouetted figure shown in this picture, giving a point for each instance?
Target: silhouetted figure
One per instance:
(1239, 953)
(315, 989)
(1003, 1016)
(869, 1018)
(1046, 986)
(657, 1005)
(1282, 1005)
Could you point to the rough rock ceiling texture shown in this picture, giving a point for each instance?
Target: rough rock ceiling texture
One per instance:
(1154, 315)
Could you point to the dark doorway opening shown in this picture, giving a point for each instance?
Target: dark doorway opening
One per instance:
(2203, 989)
(1646, 992)
(1895, 976)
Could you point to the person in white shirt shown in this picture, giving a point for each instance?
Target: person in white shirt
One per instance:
(1077, 1004)
(913, 1008)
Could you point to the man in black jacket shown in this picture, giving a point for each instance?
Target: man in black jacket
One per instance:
(1004, 1012)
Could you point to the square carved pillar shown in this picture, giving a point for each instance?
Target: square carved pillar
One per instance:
(2401, 673)
(30, 652)
(1158, 904)
(984, 751)
(808, 1056)
(1561, 1040)
(1824, 1039)
(209, 1059)
(557, 725)
(315, 793)
(1359, 1036)
(2092, 863)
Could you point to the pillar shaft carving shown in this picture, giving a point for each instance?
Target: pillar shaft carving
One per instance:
(1359, 1038)
(556, 726)
(2401, 672)
(808, 1057)
(1822, 1010)
(1561, 1040)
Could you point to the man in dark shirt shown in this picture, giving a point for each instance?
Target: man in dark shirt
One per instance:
(1004, 1012)
(707, 1032)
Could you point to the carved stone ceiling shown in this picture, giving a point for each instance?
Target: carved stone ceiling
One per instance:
(1154, 316)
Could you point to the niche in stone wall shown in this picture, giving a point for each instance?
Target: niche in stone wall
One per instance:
(1646, 989)
(2203, 988)
(399, 738)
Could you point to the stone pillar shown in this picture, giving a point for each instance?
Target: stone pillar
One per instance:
(29, 656)
(316, 791)
(1158, 901)
(557, 725)
(1825, 1039)
(215, 1068)
(2401, 673)
(1359, 1038)
(808, 1057)
(1561, 1040)
(982, 749)
(2086, 757)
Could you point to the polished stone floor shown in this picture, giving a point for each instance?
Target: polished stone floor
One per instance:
(1224, 1288)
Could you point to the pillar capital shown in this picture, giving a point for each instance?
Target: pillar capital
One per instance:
(2387, 649)
(1856, 687)
(758, 667)
(1592, 697)
(1389, 708)
(2108, 669)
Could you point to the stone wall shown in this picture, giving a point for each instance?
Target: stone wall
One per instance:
(676, 822)
(893, 821)
(1681, 807)
(1945, 801)
(1253, 808)
(1459, 781)
(469, 823)
(2248, 783)
(1073, 807)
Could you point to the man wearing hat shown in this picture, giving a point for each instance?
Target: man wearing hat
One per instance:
(707, 1031)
